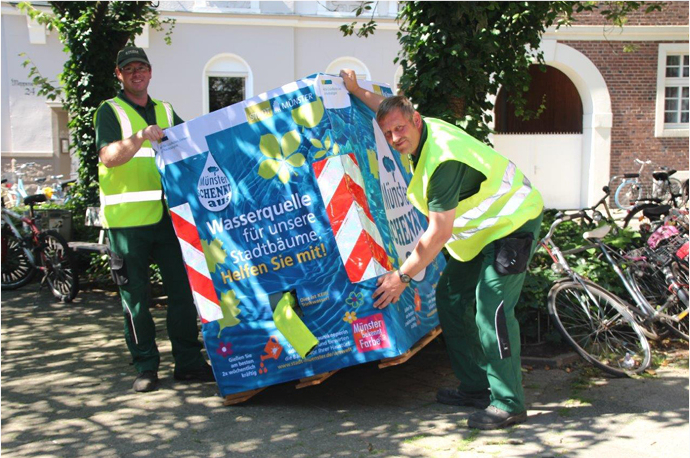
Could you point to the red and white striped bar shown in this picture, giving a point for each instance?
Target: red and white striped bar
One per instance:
(205, 297)
(359, 241)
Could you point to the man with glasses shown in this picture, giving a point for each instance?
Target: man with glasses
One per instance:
(139, 226)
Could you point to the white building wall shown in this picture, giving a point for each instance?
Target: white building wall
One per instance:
(6, 140)
(315, 49)
(179, 67)
(26, 119)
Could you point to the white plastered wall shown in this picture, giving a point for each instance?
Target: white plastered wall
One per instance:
(597, 117)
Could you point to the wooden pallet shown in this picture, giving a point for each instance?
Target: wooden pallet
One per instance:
(238, 398)
(314, 379)
(423, 342)
(244, 396)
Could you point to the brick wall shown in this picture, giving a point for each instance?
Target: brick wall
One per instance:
(672, 13)
(631, 80)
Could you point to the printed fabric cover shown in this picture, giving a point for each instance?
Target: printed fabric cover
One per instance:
(288, 207)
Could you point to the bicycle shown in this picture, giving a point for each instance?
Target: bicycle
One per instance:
(648, 274)
(51, 191)
(587, 221)
(25, 254)
(655, 208)
(16, 193)
(632, 189)
(658, 272)
(595, 322)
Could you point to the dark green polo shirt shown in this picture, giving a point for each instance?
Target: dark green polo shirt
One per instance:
(108, 127)
(451, 182)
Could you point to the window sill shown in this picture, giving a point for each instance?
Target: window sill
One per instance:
(671, 133)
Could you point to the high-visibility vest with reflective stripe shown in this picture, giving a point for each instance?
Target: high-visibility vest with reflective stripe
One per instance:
(131, 193)
(504, 202)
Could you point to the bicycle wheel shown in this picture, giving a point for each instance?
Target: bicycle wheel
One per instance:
(598, 326)
(680, 271)
(627, 194)
(60, 268)
(676, 189)
(17, 269)
(649, 281)
(685, 191)
(677, 309)
(636, 212)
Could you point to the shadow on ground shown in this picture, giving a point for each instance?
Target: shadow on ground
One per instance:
(66, 391)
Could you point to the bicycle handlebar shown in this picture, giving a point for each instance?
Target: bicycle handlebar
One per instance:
(562, 218)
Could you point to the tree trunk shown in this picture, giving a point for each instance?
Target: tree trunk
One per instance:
(457, 105)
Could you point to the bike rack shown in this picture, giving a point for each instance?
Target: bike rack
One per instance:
(92, 219)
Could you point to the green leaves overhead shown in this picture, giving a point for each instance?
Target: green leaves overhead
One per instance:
(92, 33)
(455, 55)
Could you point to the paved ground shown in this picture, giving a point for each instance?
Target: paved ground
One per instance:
(66, 392)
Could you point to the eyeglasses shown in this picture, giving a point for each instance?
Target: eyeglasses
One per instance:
(133, 70)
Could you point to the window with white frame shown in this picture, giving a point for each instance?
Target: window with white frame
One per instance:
(672, 105)
(227, 80)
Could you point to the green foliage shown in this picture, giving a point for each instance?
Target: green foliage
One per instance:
(456, 54)
(365, 29)
(92, 34)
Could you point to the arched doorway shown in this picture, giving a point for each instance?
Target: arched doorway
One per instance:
(547, 148)
(573, 180)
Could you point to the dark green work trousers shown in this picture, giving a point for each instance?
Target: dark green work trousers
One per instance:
(476, 307)
(138, 246)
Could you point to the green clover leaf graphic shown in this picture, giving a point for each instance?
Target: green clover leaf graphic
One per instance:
(280, 157)
(324, 145)
(308, 115)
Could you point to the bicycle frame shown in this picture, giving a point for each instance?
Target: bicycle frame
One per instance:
(7, 219)
(559, 258)
(647, 309)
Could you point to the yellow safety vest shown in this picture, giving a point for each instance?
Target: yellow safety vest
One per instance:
(131, 193)
(504, 202)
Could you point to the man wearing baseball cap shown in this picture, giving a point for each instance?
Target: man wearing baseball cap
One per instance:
(139, 226)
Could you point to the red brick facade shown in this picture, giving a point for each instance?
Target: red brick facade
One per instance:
(631, 79)
(672, 13)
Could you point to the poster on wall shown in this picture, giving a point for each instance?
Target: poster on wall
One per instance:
(288, 207)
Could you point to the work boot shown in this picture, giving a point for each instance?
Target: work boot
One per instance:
(494, 418)
(146, 381)
(203, 373)
(457, 397)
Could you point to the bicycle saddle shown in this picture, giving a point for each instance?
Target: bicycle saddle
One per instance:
(598, 233)
(655, 213)
(631, 175)
(662, 174)
(35, 199)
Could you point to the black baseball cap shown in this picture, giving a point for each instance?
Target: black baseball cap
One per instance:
(130, 54)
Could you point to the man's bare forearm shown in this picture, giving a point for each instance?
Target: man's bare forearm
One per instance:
(430, 243)
(370, 99)
(120, 152)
